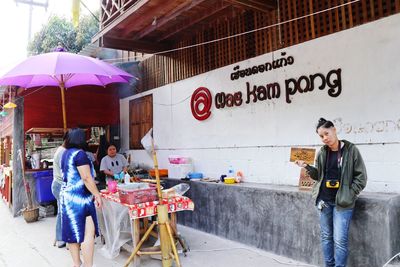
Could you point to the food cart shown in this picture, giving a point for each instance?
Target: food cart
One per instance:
(35, 127)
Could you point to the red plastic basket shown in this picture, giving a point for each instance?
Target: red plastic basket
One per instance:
(135, 196)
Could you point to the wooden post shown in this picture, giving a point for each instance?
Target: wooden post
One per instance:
(10, 186)
(174, 250)
(2, 151)
(7, 151)
(173, 222)
(136, 249)
(64, 114)
(135, 228)
(159, 193)
(162, 214)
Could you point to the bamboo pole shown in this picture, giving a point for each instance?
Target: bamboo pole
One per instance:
(153, 151)
(149, 253)
(162, 212)
(26, 184)
(162, 217)
(176, 257)
(135, 251)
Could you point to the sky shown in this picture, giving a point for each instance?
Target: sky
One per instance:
(14, 25)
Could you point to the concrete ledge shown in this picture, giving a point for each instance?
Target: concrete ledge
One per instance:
(283, 220)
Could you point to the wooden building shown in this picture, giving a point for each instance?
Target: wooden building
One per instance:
(352, 46)
(187, 38)
(211, 31)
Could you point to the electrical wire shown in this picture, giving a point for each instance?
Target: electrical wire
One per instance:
(254, 251)
(244, 33)
(83, 4)
(266, 146)
(174, 104)
(398, 254)
(33, 91)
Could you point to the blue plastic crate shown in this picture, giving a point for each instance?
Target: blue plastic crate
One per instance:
(43, 174)
(44, 180)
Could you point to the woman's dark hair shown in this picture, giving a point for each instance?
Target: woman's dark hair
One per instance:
(102, 149)
(76, 139)
(86, 147)
(111, 144)
(65, 137)
(324, 124)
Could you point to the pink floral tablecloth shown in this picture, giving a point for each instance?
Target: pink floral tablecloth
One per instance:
(146, 209)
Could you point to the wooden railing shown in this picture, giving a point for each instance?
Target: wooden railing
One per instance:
(112, 9)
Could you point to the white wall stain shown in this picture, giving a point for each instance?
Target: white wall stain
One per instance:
(382, 126)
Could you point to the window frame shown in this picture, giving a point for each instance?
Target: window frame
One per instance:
(140, 119)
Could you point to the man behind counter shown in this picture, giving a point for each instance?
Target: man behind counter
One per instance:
(113, 164)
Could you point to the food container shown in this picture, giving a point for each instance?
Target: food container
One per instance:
(112, 186)
(175, 159)
(195, 175)
(134, 196)
(229, 180)
(44, 180)
(161, 172)
(178, 171)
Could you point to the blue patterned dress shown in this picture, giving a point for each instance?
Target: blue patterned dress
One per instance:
(76, 201)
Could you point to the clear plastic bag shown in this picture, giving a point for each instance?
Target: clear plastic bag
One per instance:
(177, 190)
(147, 140)
(181, 189)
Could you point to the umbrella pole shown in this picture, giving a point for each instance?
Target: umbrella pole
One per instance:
(64, 114)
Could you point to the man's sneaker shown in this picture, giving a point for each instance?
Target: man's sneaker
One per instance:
(61, 244)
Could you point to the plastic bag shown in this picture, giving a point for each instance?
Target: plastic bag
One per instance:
(181, 189)
(177, 190)
(147, 140)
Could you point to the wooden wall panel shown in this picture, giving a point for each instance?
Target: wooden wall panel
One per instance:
(140, 120)
(178, 65)
(85, 106)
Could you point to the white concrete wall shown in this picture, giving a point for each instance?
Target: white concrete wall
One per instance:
(256, 137)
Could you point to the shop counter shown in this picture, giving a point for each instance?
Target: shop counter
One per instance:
(284, 220)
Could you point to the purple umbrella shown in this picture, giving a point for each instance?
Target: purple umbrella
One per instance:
(64, 70)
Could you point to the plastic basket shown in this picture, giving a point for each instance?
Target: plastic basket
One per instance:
(31, 215)
(135, 196)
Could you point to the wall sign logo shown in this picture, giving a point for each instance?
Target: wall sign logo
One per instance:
(201, 103)
(266, 91)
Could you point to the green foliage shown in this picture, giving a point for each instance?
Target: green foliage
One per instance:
(58, 29)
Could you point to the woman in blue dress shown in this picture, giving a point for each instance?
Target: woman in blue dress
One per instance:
(78, 198)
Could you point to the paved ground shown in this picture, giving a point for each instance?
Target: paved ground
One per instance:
(23, 244)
